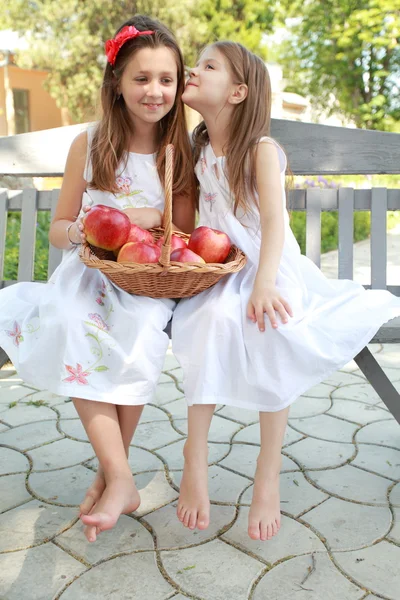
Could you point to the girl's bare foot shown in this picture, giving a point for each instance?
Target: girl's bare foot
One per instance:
(120, 497)
(193, 504)
(265, 514)
(94, 493)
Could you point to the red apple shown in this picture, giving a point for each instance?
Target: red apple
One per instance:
(106, 227)
(186, 255)
(137, 234)
(139, 252)
(176, 242)
(212, 245)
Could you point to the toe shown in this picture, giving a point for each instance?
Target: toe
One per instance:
(192, 520)
(186, 518)
(269, 531)
(87, 504)
(274, 528)
(90, 533)
(202, 520)
(263, 531)
(254, 531)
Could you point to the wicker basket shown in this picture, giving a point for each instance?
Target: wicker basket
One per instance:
(164, 279)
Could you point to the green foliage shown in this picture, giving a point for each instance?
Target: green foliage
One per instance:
(12, 246)
(345, 55)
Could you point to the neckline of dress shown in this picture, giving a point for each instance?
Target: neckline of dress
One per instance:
(140, 154)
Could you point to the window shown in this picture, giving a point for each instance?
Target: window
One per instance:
(21, 108)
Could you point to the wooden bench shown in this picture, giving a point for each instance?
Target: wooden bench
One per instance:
(312, 150)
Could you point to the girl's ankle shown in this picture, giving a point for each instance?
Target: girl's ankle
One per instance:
(195, 450)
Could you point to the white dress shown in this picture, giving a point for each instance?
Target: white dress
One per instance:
(81, 336)
(225, 358)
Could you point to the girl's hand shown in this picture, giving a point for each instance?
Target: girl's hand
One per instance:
(265, 298)
(146, 218)
(78, 228)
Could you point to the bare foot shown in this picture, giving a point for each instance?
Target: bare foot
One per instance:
(193, 504)
(93, 494)
(265, 514)
(119, 497)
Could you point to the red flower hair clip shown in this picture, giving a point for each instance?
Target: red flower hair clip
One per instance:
(113, 46)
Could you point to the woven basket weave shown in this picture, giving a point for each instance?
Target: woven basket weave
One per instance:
(164, 279)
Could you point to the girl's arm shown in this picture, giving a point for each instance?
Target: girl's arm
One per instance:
(70, 200)
(265, 298)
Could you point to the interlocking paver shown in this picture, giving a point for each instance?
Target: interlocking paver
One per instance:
(386, 433)
(319, 454)
(13, 491)
(340, 378)
(151, 413)
(288, 580)
(214, 570)
(74, 429)
(62, 487)
(242, 459)
(347, 526)
(20, 414)
(395, 495)
(47, 397)
(171, 534)
(395, 532)
(127, 536)
(363, 392)
(239, 414)
(173, 453)
(12, 392)
(357, 412)
(12, 461)
(29, 436)
(375, 567)
(177, 408)
(251, 434)
(308, 407)
(38, 573)
(156, 434)
(154, 490)
(125, 577)
(322, 390)
(166, 393)
(57, 455)
(381, 460)
(324, 427)
(139, 460)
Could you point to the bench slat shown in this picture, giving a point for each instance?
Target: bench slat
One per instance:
(55, 254)
(378, 238)
(313, 226)
(346, 229)
(27, 236)
(3, 229)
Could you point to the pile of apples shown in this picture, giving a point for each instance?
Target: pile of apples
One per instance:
(110, 229)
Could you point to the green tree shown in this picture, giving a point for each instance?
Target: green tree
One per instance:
(349, 50)
(67, 38)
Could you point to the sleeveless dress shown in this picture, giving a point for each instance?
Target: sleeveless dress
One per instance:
(225, 358)
(80, 335)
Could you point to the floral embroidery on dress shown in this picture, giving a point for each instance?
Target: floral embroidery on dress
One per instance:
(77, 375)
(210, 198)
(102, 294)
(124, 184)
(203, 165)
(101, 324)
(16, 334)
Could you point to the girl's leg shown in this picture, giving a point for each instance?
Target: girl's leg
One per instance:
(194, 505)
(101, 423)
(264, 515)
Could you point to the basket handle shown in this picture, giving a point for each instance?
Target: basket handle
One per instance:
(167, 217)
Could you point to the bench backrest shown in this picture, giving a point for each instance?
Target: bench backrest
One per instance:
(312, 150)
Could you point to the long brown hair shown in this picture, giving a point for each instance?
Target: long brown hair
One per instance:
(251, 121)
(112, 136)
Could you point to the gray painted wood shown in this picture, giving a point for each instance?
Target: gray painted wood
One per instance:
(311, 149)
(346, 228)
(27, 236)
(379, 381)
(389, 333)
(3, 357)
(55, 254)
(378, 238)
(329, 199)
(3, 227)
(313, 226)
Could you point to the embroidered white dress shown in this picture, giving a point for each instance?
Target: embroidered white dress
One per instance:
(81, 336)
(225, 358)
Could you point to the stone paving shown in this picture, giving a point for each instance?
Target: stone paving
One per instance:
(340, 483)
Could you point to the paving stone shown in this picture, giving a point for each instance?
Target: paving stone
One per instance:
(351, 483)
(7, 372)
(28, 436)
(376, 568)
(154, 490)
(242, 459)
(13, 492)
(284, 581)
(297, 495)
(4, 427)
(348, 526)
(67, 410)
(172, 534)
(395, 533)
(326, 428)
(151, 413)
(322, 390)
(395, 495)
(67, 486)
(251, 434)
(12, 392)
(177, 408)
(12, 461)
(25, 413)
(215, 568)
(247, 417)
(223, 486)
(36, 574)
(128, 535)
(165, 377)
(170, 362)
(319, 454)
(340, 378)
(358, 412)
(74, 428)
(351, 367)
(64, 453)
(125, 577)
(293, 538)
(308, 407)
(155, 435)
(384, 432)
(221, 430)
(32, 524)
(177, 373)
(173, 453)
(48, 397)
(167, 393)
(389, 355)
(363, 392)
(381, 460)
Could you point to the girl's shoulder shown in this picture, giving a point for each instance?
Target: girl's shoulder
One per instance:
(281, 153)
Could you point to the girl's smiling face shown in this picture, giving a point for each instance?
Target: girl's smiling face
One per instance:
(149, 83)
(210, 84)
